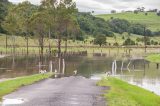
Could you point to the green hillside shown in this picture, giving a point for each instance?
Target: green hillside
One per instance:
(152, 21)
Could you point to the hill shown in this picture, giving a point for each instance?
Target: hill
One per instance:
(152, 21)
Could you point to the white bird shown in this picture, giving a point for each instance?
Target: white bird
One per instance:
(42, 71)
(108, 73)
(55, 71)
(75, 72)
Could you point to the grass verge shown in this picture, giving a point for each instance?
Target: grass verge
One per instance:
(123, 94)
(153, 58)
(9, 86)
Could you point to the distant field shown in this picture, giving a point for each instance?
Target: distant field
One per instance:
(151, 20)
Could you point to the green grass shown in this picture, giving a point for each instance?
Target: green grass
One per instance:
(21, 42)
(124, 94)
(153, 58)
(21, 45)
(9, 86)
(151, 20)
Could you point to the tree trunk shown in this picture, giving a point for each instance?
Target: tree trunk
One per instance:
(27, 46)
(41, 43)
(66, 38)
(6, 44)
(145, 47)
(59, 46)
(49, 46)
(13, 46)
(66, 45)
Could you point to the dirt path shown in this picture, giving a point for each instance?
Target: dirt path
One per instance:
(68, 91)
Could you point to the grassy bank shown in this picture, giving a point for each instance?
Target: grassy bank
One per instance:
(9, 86)
(153, 58)
(124, 94)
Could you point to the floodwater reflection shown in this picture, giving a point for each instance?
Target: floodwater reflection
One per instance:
(135, 71)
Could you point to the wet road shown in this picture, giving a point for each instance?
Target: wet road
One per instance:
(67, 91)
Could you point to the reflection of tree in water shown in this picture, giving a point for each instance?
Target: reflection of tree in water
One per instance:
(19, 66)
(87, 66)
(84, 65)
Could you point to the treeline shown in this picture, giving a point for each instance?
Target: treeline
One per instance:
(87, 24)
(122, 25)
(92, 25)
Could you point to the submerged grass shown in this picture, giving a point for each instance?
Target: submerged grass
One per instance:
(123, 94)
(9, 86)
(153, 58)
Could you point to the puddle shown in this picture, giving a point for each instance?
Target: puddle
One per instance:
(97, 76)
(12, 101)
(73, 103)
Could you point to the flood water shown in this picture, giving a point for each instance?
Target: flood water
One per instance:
(135, 71)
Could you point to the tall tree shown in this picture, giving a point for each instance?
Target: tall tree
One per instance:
(65, 9)
(4, 4)
(50, 8)
(11, 26)
(38, 24)
(24, 11)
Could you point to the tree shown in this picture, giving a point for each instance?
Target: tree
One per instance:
(24, 11)
(136, 29)
(4, 5)
(135, 11)
(146, 13)
(158, 13)
(11, 26)
(148, 32)
(100, 40)
(70, 20)
(119, 25)
(140, 9)
(50, 7)
(38, 24)
(63, 13)
(113, 11)
(129, 41)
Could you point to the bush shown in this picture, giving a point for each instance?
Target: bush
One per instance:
(100, 40)
(115, 44)
(123, 37)
(156, 43)
(135, 11)
(129, 42)
(158, 13)
(148, 43)
(146, 13)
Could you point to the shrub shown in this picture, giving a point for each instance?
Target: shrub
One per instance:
(129, 42)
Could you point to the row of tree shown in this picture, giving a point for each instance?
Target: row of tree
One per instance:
(60, 19)
(122, 25)
(53, 18)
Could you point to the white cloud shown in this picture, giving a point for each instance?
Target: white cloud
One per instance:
(32, 1)
(105, 6)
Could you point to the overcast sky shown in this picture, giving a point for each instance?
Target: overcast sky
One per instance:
(105, 6)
